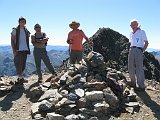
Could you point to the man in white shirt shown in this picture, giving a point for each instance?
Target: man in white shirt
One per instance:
(139, 43)
(20, 46)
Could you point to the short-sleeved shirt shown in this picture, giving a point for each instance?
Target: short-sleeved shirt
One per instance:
(138, 38)
(77, 37)
(39, 36)
(22, 39)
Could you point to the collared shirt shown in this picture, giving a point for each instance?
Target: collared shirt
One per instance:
(22, 39)
(138, 38)
(77, 37)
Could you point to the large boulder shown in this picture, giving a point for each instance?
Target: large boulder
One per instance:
(115, 48)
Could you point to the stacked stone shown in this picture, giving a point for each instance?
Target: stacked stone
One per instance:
(84, 91)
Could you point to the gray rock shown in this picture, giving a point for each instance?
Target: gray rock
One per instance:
(50, 93)
(83, 80)
(101, 107)
(98, 77)
(46, 84)
(38, 117)
(93, 118)
(132, 96)
(82, 117)
(54, 116)
(64, 101)
(90, 78)
(35, 108)
(72, 96)
(88, 112)
(45, 105)
(110, 98)
(94, 95)
(132, 104)
(64, 92)
(53, 101)
(79, 92)
(63, 78)
(72, 117)
(81, 103)
(113, 75)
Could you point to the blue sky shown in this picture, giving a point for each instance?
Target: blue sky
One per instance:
(55, 16)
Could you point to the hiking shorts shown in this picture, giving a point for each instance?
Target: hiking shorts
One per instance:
(75, 56)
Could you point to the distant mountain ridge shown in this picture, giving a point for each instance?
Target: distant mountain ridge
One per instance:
(156, 54)
(56, 53)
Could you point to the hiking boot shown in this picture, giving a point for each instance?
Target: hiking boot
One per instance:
(24, 80)
(54, 74)
(131, 84)
(19, 82)
(40, 79)
(140, 89)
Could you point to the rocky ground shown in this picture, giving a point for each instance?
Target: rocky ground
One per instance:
(16, 103)
(96, 89)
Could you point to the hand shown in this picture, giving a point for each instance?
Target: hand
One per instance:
(69, 41)
(90, 42)
(14, 53)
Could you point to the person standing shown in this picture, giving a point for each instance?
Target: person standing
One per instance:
(20, 46)
(75, 39)
(39, 41)
(138, 44)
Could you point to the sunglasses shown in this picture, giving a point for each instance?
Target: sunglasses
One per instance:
(37, 27)
(22, 21)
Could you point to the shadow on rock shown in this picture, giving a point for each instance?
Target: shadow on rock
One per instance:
(34, 92)
(150, 103)
(15, 94)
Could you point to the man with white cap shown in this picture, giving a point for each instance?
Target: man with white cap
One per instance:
(138, 44)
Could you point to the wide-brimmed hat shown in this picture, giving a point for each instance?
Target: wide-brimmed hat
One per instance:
(74, 23)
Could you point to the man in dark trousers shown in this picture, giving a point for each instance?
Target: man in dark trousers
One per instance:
(20, 46)
(39, 41)
(139, 43)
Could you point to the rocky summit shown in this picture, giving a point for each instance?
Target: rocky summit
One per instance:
(96, 89)
(114, 47)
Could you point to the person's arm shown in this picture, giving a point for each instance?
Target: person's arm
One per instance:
(86, 38)
(144, 37)
(145, 45)
(45, 39)
(69, 41)
(13, 37)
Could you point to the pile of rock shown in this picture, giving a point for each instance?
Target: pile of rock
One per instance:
(87, 91)
(114, 47)
(5, 85)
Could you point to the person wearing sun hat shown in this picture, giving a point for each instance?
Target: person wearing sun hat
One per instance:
(75, 39)
(39, 41)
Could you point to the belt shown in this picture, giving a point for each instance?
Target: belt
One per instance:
(137, 47)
